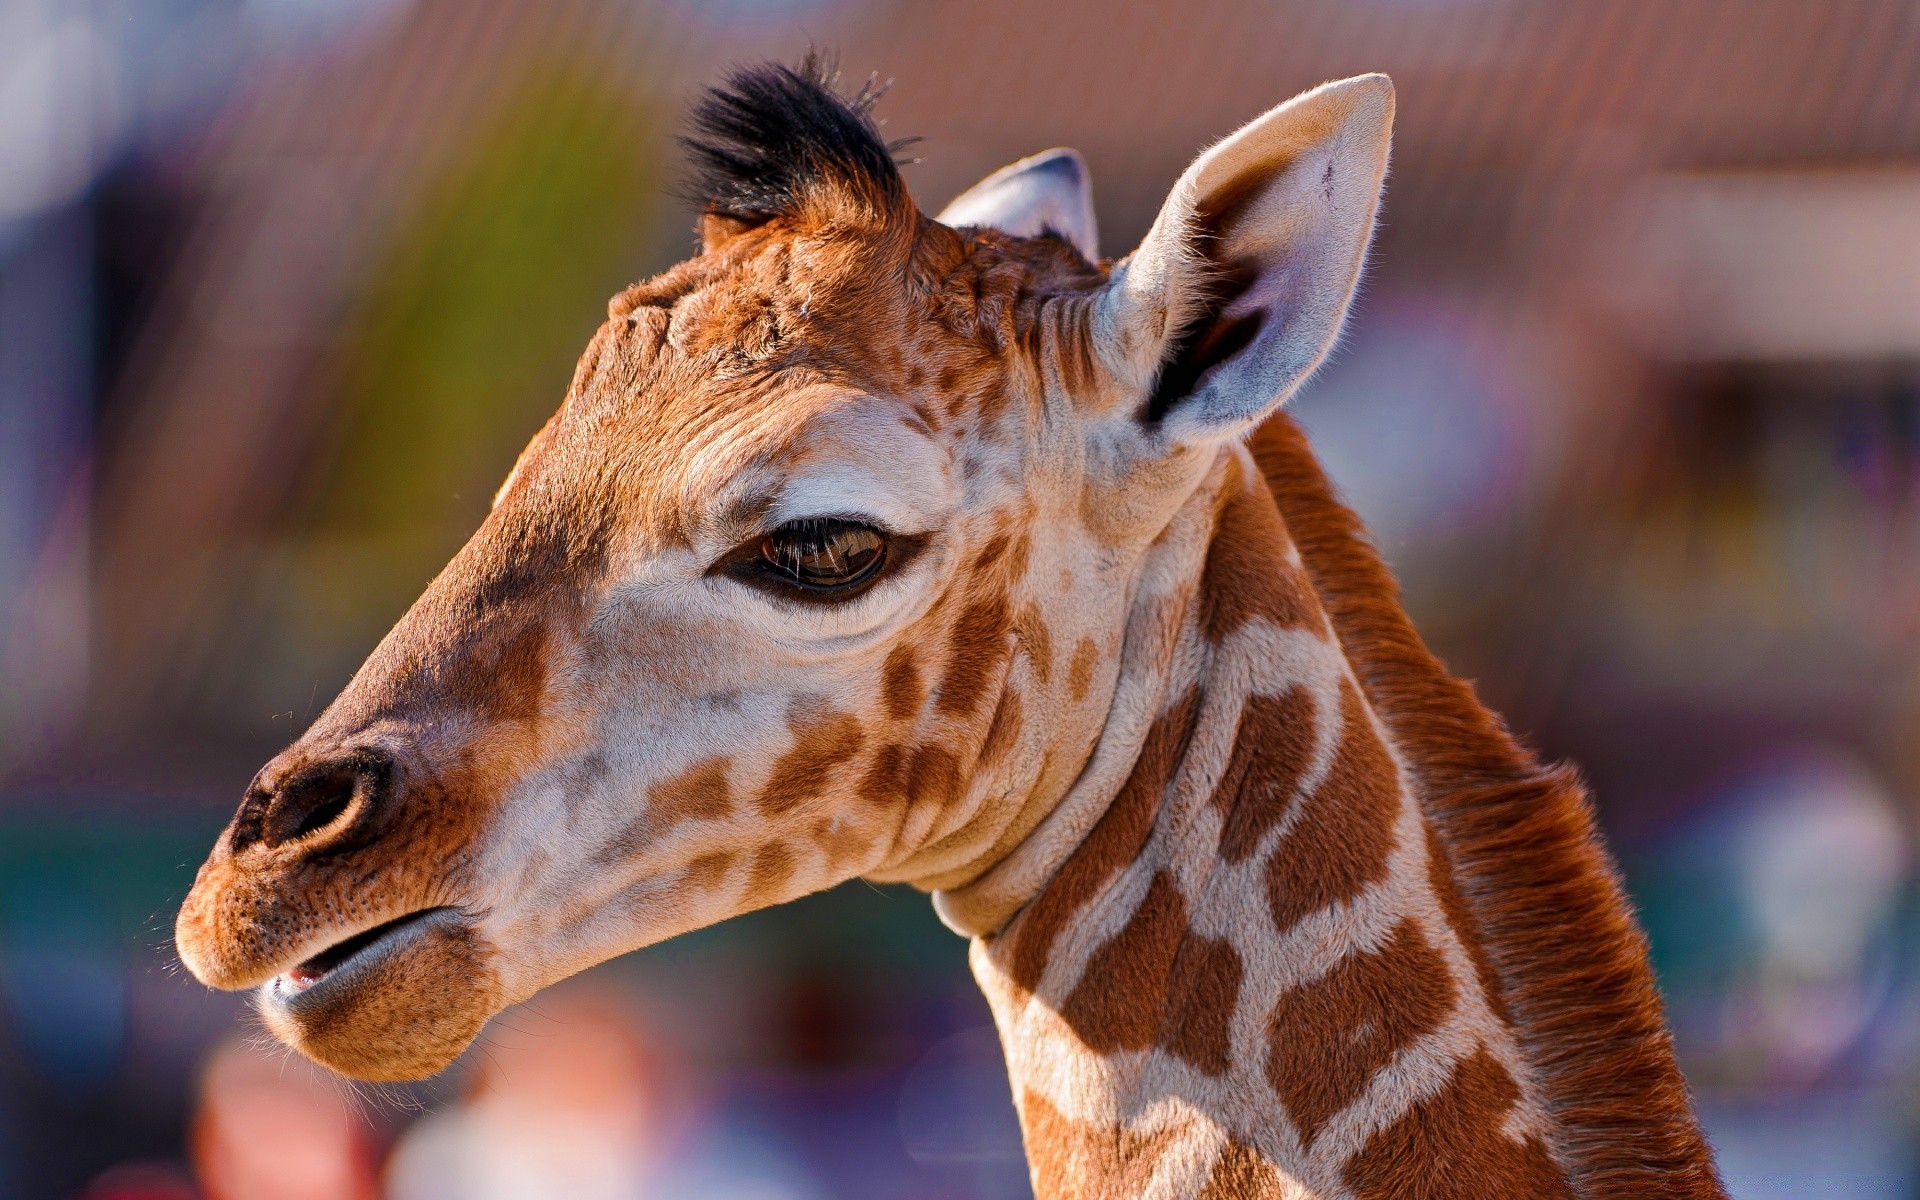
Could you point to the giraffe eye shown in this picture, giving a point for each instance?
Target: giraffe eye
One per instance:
(823, 553)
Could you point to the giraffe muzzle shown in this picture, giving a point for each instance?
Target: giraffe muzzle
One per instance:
(341, 894)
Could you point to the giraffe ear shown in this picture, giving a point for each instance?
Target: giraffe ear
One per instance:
(1049, 191)
(1240, 287)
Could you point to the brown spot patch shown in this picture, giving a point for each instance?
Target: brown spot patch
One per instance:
(991, 404)
(952, 375)
(1118, 1002)
(1271, 750)
(911, 775)
(802, 773)
(1332, 1036)
(885, 780)
(900, 685)
(1086, 656)
(708, 871)
(1246, 576)
(768, 874)
(1459, 1126)
(933, 776)
(1073, 1159)
(699, 793)
(1112, 843)
(513, 686)
(1241, 1174)
(1004, 732)
(1020, 556)
(1031, 628)
(991, 553)
(1341, 840)
(978, 646)
(1206, 989)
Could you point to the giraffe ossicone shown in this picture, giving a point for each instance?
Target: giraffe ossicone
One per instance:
(866, 544)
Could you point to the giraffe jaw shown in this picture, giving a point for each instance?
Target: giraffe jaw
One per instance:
(397, 1002)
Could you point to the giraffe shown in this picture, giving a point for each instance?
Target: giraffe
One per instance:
(942, 551)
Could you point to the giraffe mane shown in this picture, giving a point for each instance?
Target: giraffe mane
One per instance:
(1528, 867)
(773, 139)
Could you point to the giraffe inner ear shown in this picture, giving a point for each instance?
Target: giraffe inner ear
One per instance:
(1049, 191)
(1241, 286)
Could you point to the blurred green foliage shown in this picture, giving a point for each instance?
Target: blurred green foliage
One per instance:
(464, 339)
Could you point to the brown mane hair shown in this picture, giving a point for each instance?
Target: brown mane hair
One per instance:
(1541, 890)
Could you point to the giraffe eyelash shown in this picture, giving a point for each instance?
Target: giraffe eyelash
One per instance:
(825, 553)
(821, 560)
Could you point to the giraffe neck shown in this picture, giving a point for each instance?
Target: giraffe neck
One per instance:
(1259, 972)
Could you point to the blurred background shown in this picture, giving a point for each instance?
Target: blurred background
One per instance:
(1631, 399)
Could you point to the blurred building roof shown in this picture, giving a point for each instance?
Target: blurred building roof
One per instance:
(1523, 127)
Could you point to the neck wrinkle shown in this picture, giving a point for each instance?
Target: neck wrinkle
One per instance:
(1159, 643)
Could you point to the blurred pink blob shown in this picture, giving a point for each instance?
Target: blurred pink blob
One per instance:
(568, 1106)
(141, 1181)
(272, 1127)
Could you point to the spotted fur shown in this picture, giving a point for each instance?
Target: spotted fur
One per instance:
(1264, 903)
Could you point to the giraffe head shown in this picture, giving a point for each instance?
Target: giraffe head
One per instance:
(819, 571)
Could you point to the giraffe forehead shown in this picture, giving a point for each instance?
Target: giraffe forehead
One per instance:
(691, 464)
(861, 457)
(890, 319)
(789, 375)
(872, 457)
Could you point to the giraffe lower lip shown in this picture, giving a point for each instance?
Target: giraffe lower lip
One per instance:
(343, 954)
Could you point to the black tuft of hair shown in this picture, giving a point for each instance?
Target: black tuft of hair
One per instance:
(772, 134)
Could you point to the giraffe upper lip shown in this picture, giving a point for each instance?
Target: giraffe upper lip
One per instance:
(342, 957)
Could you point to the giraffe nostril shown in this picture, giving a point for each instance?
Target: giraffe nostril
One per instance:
(332, 797)
(329, 797)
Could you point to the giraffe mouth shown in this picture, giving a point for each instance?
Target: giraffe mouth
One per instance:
(352, 955)
(401, 1000)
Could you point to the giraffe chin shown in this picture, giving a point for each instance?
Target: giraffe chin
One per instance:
(398, 1007)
